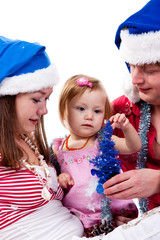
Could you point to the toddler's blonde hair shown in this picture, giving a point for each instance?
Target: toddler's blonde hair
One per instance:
(72, 89)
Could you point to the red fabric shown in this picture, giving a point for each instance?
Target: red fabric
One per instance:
(132, 111)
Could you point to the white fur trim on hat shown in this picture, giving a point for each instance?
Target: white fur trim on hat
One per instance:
(138, 49)
(30, 82)
(130, 90)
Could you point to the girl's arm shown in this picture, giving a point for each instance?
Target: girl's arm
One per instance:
(131, 142)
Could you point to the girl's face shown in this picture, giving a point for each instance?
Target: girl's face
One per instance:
(147, 79)
(85, 114)
(29, 109)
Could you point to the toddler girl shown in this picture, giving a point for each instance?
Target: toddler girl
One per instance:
(84, 107)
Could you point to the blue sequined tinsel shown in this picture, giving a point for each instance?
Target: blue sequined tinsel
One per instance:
(144, 124)
(106, 166)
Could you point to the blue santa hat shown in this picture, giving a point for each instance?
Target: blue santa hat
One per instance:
(138, 39)
(24, 67)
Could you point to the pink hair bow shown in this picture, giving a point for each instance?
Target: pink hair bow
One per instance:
(82, 81)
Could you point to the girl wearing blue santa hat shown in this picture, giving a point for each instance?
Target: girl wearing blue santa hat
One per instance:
(138, 39)
(30, 196)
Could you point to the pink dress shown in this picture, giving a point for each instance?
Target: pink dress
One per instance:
(77, 164)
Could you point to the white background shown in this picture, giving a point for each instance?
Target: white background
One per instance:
(79, 37)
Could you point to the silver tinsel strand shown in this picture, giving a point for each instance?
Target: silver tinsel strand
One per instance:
(145, 119)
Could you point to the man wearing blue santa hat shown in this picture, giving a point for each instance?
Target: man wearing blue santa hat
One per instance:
(138, 40)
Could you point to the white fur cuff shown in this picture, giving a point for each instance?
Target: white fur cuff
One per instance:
(30, 82)
(140, 48)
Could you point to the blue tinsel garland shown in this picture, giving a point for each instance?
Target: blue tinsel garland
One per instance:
(106, 165)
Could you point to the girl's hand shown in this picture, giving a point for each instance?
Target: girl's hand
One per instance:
(65, 180)
(131, 141)
(119, 121)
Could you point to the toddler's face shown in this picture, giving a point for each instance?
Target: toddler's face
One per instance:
(85, 114)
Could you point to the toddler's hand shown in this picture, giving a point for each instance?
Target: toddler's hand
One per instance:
(119, 121)
(65, 180)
